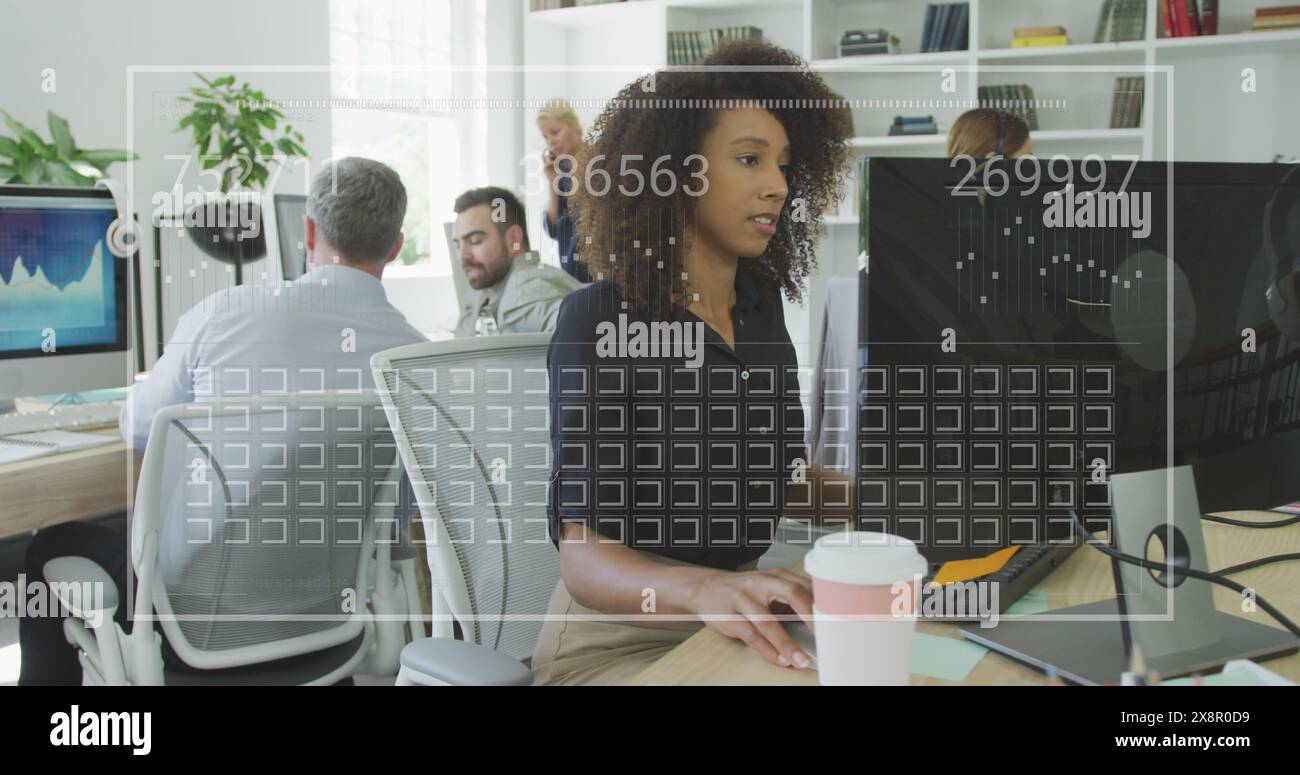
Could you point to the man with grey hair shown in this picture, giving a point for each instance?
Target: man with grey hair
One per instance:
(313, 334)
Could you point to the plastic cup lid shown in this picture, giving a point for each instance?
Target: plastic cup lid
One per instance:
(864, 558)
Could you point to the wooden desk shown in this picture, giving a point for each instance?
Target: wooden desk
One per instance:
(66, 487)
(711, 658)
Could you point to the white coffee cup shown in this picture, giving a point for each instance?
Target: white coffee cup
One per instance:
(865, 592)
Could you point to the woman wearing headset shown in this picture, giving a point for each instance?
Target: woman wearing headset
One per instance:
(984, 133)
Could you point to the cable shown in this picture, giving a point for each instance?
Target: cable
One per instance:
(1257, 563)
(1240, 523)
(1213, 578)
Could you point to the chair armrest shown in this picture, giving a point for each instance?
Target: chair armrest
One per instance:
(461, 663)
(83, 588)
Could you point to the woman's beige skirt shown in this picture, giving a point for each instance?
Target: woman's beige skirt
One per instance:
(599, 650)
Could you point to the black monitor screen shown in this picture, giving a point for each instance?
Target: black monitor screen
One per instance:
(1017, 337)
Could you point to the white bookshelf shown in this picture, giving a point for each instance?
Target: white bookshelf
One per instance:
(1215, 118)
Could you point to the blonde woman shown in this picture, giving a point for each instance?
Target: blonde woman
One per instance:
(563, 135)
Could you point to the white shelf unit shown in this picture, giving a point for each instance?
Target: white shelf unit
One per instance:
(1215, 116)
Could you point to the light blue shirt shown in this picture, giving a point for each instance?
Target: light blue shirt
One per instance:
(313, 334)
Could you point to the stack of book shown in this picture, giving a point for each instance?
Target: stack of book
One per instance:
(1183, 18)
(913, 125)
(1277, 17)
(687, 48)
(1126, 106)
(551, 5)
(856, 43)
(945, 27)
(1016, 99)
(1121, 20)
(1033, 37)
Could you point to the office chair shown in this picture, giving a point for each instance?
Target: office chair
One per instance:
(471, 421)
(256, 526)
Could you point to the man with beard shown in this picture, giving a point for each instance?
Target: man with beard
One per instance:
(517, 293)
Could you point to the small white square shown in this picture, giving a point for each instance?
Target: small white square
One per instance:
(1018, 221)
(984, 300)
(1056, 259)
(995, 275)
(1103, 273)
(1042, 271)
(959, 265)
(1126, 284)
(1006, 231)
(1031, 240)
(1138, 274)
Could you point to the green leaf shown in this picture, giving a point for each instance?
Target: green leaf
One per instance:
(201, 78)
(25, 134)
(62, 134)
(267, 149)
(209, 162)
(188, 120)
(225, 80)
(97, 156)
(11, 149)
(32, 171)
(59, 172)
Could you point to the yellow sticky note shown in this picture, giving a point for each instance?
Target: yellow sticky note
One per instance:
(965, 570)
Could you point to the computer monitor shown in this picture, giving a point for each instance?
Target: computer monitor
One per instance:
(63, 294)
(290, 235)
(1018, 344)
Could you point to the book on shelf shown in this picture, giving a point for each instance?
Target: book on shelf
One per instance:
(1121, 20)
(1037, 32)
(1184, 18)
(1015, 99)
(946, 27)
(867, 42)
(904, 126)
(1276, 17)
(1126, 105)
(1039, 41)
(690, 47)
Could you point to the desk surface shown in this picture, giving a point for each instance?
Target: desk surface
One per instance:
(711, 658)
(66, 487)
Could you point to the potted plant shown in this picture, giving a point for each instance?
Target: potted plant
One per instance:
(26, 158)
(239, 136)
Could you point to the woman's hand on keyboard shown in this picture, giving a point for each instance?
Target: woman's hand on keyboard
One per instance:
(740, 605)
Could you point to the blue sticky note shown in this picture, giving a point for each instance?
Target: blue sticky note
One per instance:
(947, 658)
(1033, 602)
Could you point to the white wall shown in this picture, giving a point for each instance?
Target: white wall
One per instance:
(89, 45)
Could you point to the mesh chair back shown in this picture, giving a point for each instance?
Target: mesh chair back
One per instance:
(263, 511)
(471, 420)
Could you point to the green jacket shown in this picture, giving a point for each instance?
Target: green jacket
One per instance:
(527, 300)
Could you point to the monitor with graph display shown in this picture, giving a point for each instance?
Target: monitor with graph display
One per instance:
(62, 292)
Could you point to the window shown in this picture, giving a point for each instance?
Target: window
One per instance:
(394, 58)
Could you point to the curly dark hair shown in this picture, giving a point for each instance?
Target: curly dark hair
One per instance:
(637, 241)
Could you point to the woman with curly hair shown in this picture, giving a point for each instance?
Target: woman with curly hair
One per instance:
(676, 426)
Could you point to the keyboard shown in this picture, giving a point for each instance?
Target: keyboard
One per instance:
(968, 458)
(73, 417)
